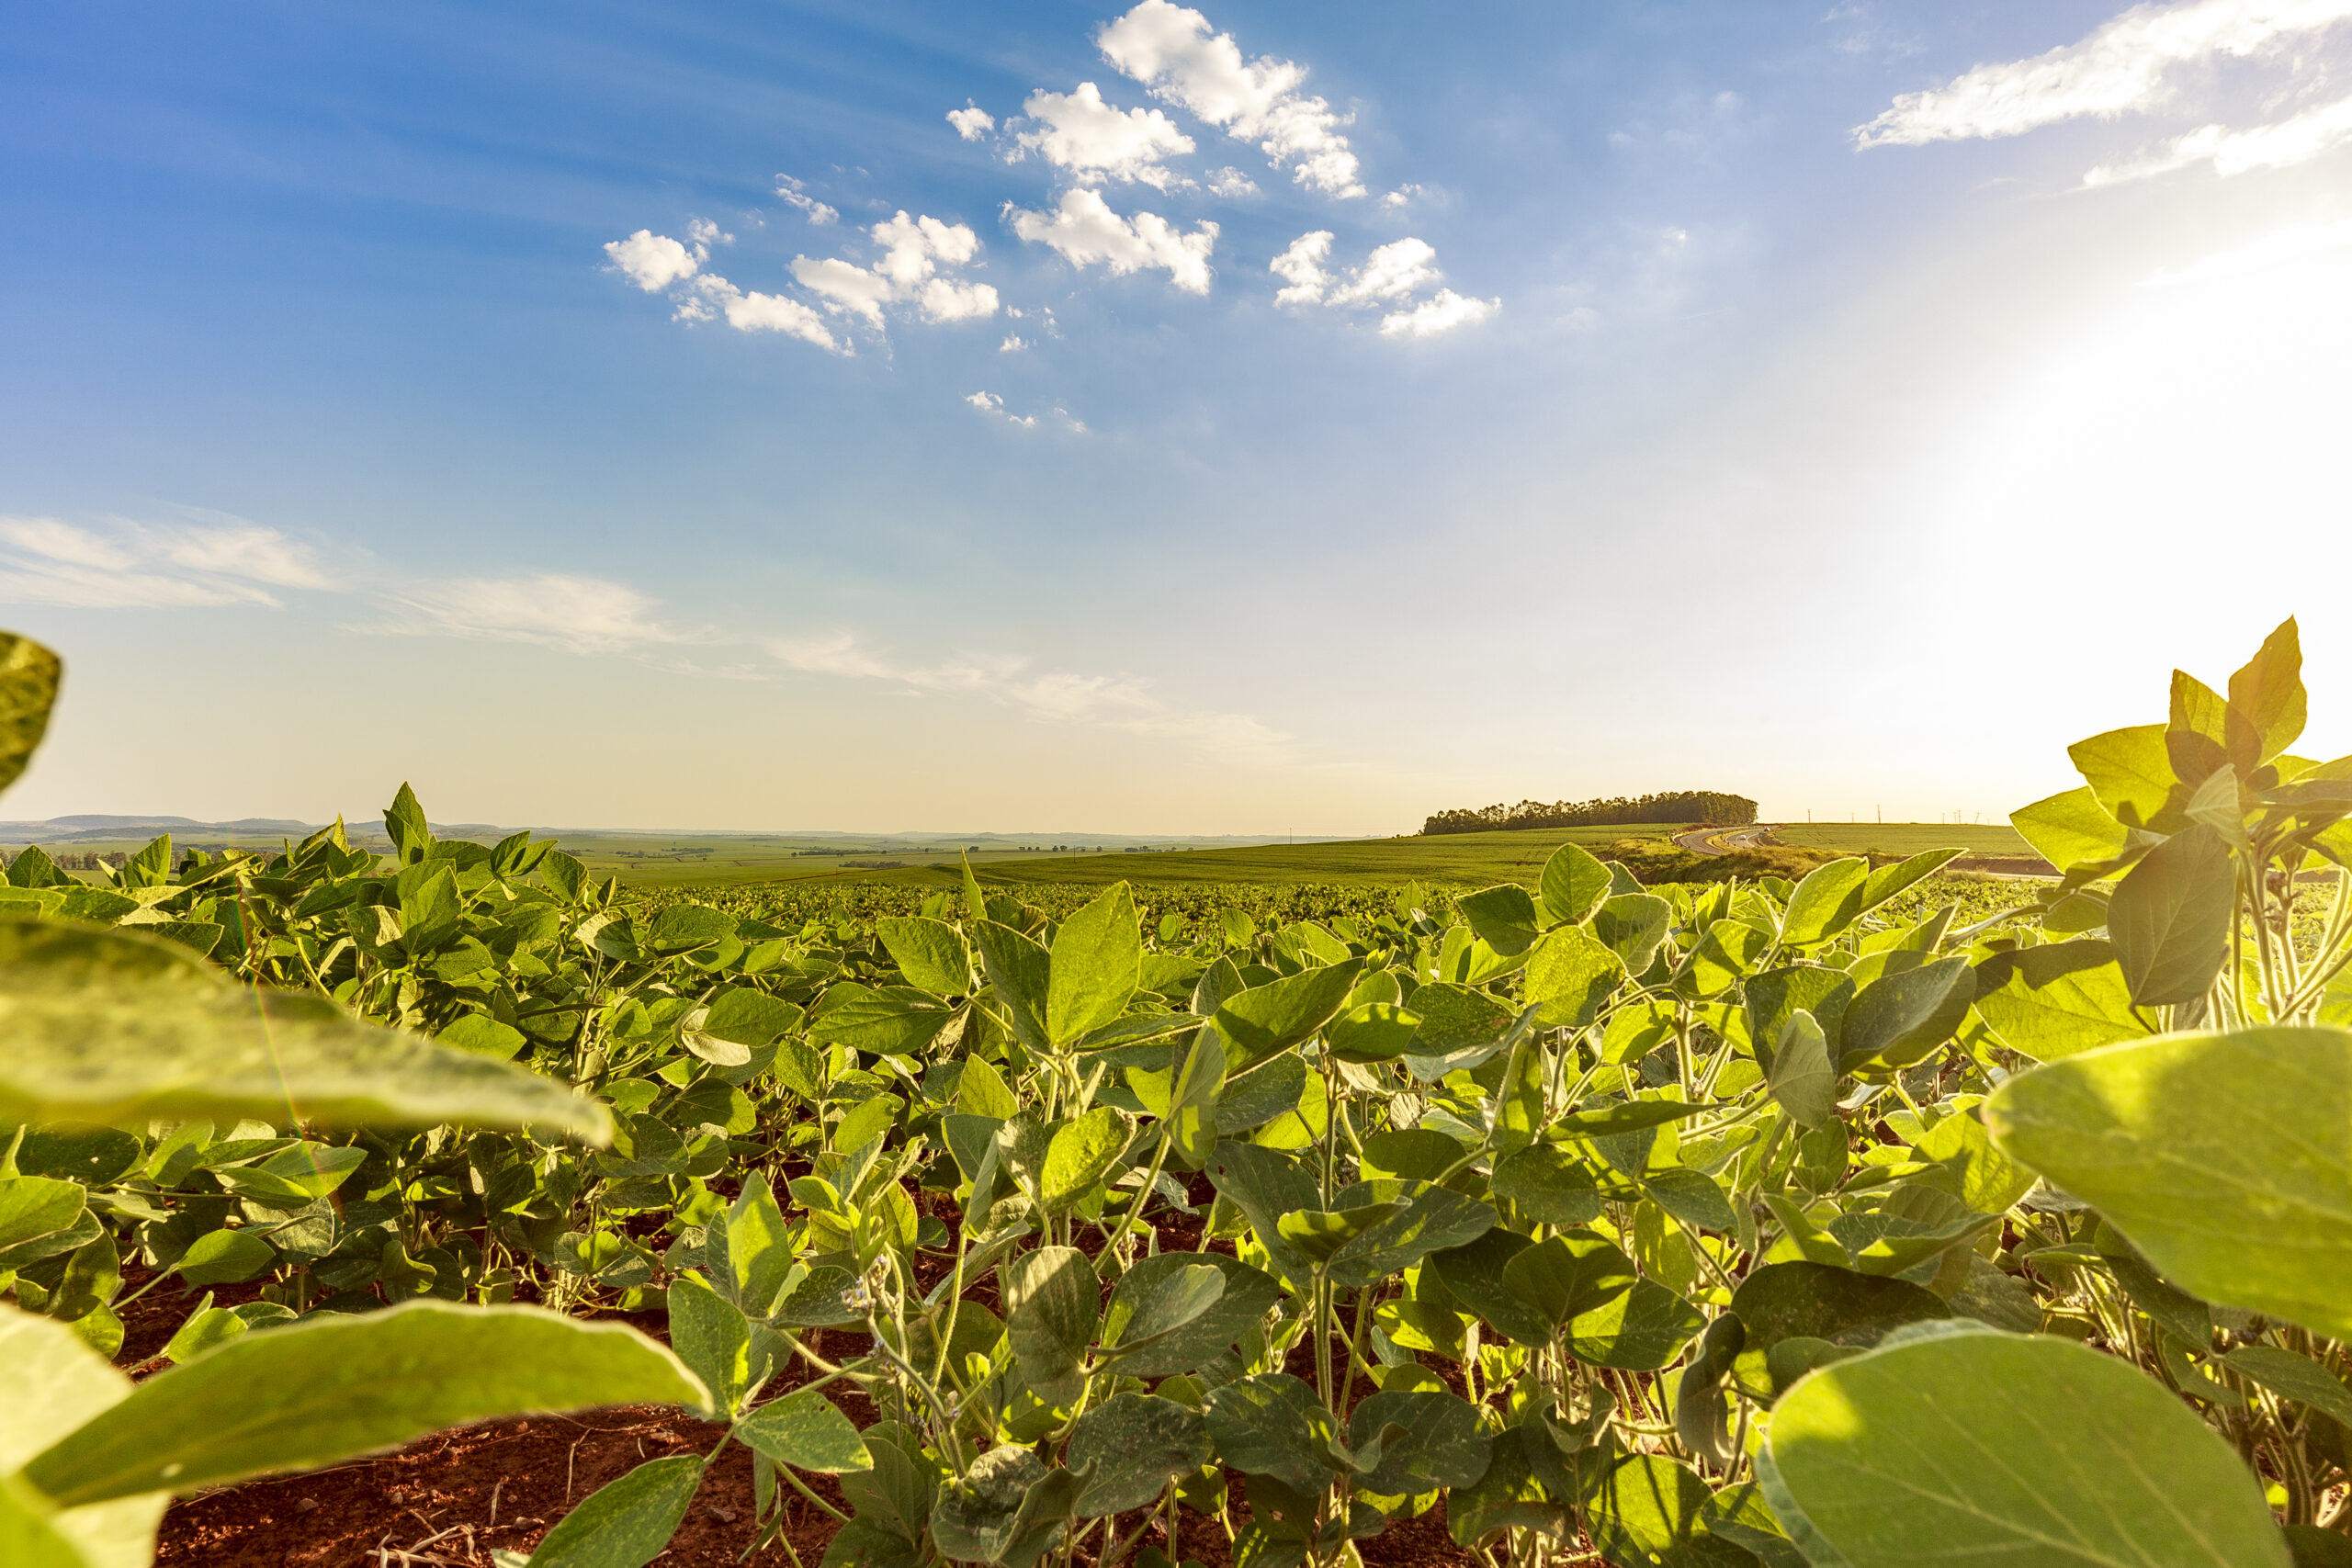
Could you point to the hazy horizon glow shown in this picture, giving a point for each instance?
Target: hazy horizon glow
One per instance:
(1146, 419)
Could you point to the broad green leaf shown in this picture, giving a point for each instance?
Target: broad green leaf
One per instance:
(1600, 1120)
(1440, 1443)
(1433, 1218)
(2196, 735)
(886, 1020)
(1003, 1509)
(2056, 1000)
(1134, 1444)
(28, 1538)
(1266, 1020)
(1574, 884)
(759, 1245)
(1265, 1186)
(28, 678)
(1823, 1302)
(1473, 1274)
(1082, 1152)
(1692, 1197)
(1570, 977)
(331, 1387)
(1373, 1031)
(31, 1208)
(1317, 1234)
(1460, 1027)
(1181, 1297)
(1191, 1123)
(1901, 1018)
(51, 1383)
(226, 1257)
(1826, 902)
(1988, 1180)
(1050, 1302)
(1977, 1447)
(1889, 880)
(2071, 829)
(1549, 1185)
(1632, 926)
(2130, 773)
(1247, 1295)
(2266, 702)
(625, 1523)
(2297, 1377)
(1096, 965)
(806, 1431)
(1567, 1275)
(1504, 918)
(1802, 1078)
(1776, 994)
(931, 954)
(2225, 1158)
(1272, 1424)
(110, 1026)
(982, 1091)
(712, 1338)
(1641, 1331)
(1019, 974)
(1721, 959)
(1649, 1509)
(2170, 918)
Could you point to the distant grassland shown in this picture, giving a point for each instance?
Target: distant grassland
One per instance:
(1904, 838)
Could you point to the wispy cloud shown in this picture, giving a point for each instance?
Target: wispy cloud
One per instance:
(2290, 142)
(124, 565)
(2124, 65)
(1172, 51)
(578, 615)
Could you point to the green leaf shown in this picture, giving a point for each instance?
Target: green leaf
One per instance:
(929, 954)
(2130, 773)
(1181, 1296)
(1632, 926)
(1649, 1509)
(1003, 1509)
(1191, 1123)
(1473, 1276)
(2056, 1000)
(1989, 1181)
(2170, 918)
(1434, 1218)
(51, 1383)
(34, 1210)
(625, 1523)
(2266, 702)
(1692, 1197)
(712, 1338)
(1889, 880)
(1721, 959)
(1317, 1234)
(2297, 1377)
(1243, 1301)
(108, 1026)
(1981, 1446)
(1082, 1152)
(759, 1245)
(1574, 884)
(1503, 917)
(1134, 1444)
(889, 1021)
(806, 1431)
(1549, 1185)
(1265, 1020)
(1019, 973)
(28, 678)
(1641, 1331)
(1050, 1301)
(1802, 1079)
(1570, 977)
(1605, 1121)
(1826, 902)
(484, 1036)
(1776, 994)
(1460, 1027)
(2071, 829)
(2181, 1143)
(331, 1387)
(226, 1257)
(1096, 965)
(1441, 1443)
(982, 1091)
(1567, 1275)
(1373, 1031)
(1901, 1018)
(1272, 1424)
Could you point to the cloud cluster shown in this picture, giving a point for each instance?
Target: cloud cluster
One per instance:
(796, 194)
(1172, 51)
(1084, 231)
(1077, 132)
(918, 257)
(130, 566)
(2131, 64)
(1388, 277)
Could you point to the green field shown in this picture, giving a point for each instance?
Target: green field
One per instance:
(1903, 838)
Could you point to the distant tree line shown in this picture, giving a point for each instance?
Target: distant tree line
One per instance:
(1677, 805)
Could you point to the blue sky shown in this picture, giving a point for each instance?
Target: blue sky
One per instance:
(669, 416)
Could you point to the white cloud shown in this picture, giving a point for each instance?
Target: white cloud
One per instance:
(45, 560)
(796, 194)
(971, 122)
(579, 614)
(1392, 272)
(653, 262)
(2120, 67)
(1014, 344)
(1084, 230)
(756, 312)
(1301, 268)
(1232, 184)
(1171, 49)
(2283, 145)
(1401, 196)
(1441, 313)
(1079, 132)
(915, 249)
